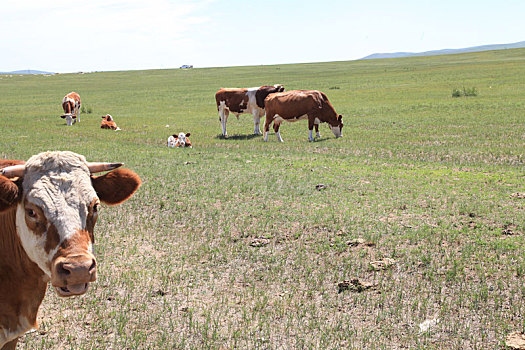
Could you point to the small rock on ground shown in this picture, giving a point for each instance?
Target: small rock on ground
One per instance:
(515, 340)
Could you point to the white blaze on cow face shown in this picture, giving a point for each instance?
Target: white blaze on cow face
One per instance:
(70, 119)
(182, 139)
(337, 130)
(53, 219)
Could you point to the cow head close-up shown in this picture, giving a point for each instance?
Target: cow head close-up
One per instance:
(278, 88)
(57, 202)
(182, 138)
(70, 118)
(337, 129)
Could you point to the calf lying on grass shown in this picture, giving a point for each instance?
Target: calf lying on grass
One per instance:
(180, 140)
(108, 123)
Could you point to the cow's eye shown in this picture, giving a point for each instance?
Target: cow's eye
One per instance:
(31, 213)
(95, 208)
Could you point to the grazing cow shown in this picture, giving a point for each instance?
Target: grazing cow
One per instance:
(301, 104)
(71, 106)
(240, 101)
(108, 123)
(48, 210)
(180, 140)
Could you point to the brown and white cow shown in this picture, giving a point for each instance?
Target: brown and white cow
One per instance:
(180, 140)
(301, 104)
(240, 101)
(108, 123)
(48, 210)
(71, 106)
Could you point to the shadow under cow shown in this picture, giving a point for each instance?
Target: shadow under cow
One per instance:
(237, 137)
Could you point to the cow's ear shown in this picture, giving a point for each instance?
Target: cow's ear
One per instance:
(116, 186)
(175, 136)
(63, 116)
(340, 118)
(10, 193)
(188, 134)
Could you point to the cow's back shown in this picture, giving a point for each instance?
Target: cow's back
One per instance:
(294, 103)
(70, 102)
(72, 96)
(228, 94)
(236, 100)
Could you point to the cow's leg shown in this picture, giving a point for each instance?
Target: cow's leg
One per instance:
(317, 133)
(11, 345)
(223, 116)
(76, 111)
(276, 129)
(267, 123)
(256, 122)
(311, 123)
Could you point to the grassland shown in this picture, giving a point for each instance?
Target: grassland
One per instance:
(230, 245)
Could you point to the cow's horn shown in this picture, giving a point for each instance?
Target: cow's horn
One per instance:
(98, 167)
(13, 171)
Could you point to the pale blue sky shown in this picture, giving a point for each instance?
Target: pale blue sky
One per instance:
(100, 35)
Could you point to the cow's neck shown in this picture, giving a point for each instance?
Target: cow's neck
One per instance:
(22, 283)
(67, 108)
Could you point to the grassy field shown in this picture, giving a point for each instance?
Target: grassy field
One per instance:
(230, 244)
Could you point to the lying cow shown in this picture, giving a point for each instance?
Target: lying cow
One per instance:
(301, 104)
(180, 140)
(48, 210)
(108, 123)
(240, 101)
(71, 105)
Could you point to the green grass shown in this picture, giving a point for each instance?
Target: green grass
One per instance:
(426, 177)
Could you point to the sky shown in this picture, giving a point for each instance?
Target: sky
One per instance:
(107, 35)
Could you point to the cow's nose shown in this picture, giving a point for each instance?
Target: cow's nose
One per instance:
(76, 271)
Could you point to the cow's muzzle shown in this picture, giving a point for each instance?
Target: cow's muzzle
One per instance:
(71, 275)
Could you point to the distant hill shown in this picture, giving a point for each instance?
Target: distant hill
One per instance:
(27, 71)
(446, 51)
